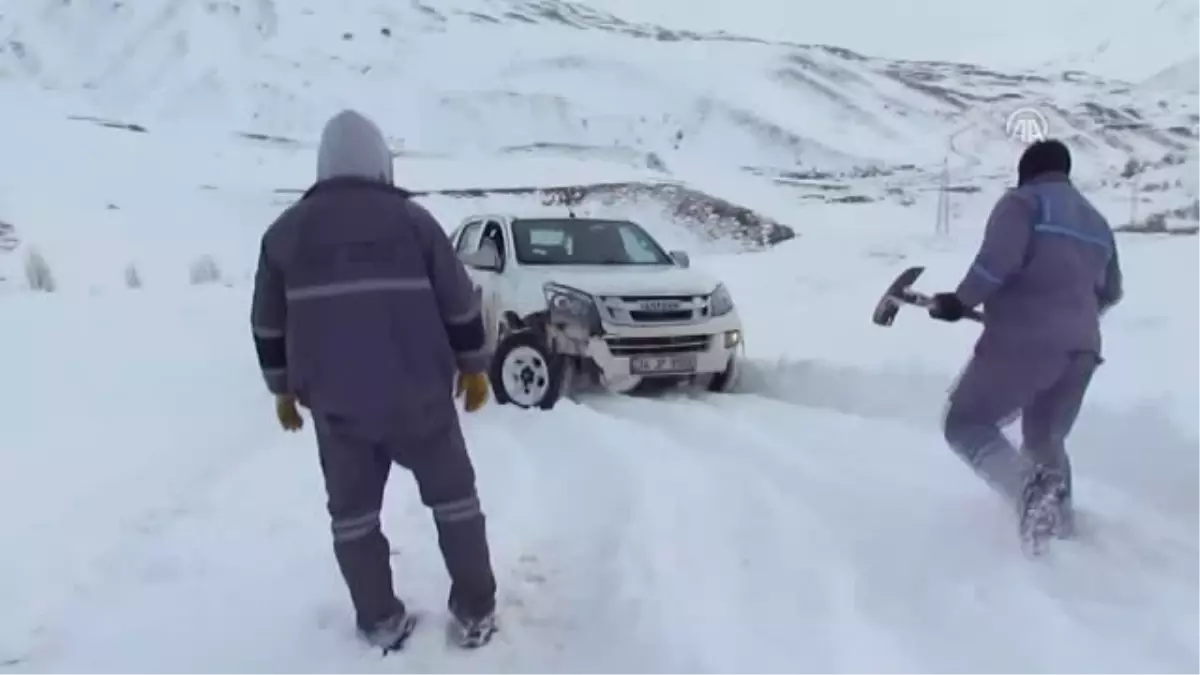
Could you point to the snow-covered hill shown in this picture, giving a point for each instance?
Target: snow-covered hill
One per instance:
(495, 81)
(515, 76)
(154, 518)
(1129, 40)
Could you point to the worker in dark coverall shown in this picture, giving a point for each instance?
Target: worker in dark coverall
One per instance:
(363, 314)
(1047, 269)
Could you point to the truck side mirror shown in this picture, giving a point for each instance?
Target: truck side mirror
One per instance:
(486, 258)
(681, 258)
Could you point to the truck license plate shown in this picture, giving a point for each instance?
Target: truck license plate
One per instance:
(660, 365)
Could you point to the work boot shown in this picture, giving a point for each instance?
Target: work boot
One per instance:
(470, 632)
(391, 633)
(1041, 509)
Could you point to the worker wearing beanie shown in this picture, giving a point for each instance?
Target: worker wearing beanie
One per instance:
(1046, 270)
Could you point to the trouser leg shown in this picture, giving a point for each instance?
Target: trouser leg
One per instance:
(446, 480)
(356, 472)
(989, 394)
(1048, 420)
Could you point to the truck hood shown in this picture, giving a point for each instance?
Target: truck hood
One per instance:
(600, 280)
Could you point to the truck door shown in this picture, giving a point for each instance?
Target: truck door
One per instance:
(491, 281)
(466, 241)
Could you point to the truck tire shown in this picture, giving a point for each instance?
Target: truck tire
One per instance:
(525, 373)
(725, 381)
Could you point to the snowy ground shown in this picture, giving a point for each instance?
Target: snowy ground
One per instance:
(156, 519)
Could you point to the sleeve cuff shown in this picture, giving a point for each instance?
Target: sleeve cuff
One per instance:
(476, 361)
(975, 287)
(276, 380)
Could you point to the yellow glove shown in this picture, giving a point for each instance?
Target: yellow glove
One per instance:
(288, 413)
(476, 388)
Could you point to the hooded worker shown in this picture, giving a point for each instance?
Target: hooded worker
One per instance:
(1045, 272)
(363, 314)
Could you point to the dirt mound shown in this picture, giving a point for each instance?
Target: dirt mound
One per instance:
(711, 217)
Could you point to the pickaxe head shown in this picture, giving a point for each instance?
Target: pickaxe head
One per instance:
(889, 304)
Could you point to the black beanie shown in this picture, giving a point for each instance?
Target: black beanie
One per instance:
(1043, 157)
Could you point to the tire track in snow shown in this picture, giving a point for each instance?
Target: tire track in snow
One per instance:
(1100, 444)
(1069, 592)
(537, 611)
(1098, 452)
(175, 497)
(930, 602)
(790, 601)
(155, 553)
(562, 529)
(560, 504)
(567, 523)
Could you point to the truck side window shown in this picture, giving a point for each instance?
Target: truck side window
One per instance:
(467, 237)
(493, 235)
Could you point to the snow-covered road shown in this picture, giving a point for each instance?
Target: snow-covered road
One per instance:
(153, 518)
(160, 522)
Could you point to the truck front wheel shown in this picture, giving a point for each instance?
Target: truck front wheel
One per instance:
(525, 372)
(725, 381)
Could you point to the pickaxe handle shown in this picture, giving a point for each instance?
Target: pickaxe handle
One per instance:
(911, 297)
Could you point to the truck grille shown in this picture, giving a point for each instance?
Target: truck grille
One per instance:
(653, 317)
(654, 309)
(628, 346)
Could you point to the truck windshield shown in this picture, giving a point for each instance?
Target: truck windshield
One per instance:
(584, 241)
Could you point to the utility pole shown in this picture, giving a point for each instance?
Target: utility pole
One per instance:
(1132, 173)
(942, 226)
(1133, 200)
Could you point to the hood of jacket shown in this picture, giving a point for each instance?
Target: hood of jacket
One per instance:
(352, 146)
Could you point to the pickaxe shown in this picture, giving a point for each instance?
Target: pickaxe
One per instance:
(900, 293)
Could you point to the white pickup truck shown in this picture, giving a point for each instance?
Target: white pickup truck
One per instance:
(569, 297)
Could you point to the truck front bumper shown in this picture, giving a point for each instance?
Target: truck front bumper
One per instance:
(667, 351)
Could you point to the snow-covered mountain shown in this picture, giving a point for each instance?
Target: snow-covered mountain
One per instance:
(463, 85)
(520, 75)
(154, 518)
(1128, 40)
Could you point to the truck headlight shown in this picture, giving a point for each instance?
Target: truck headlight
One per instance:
(720, 302)
(571, 305)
